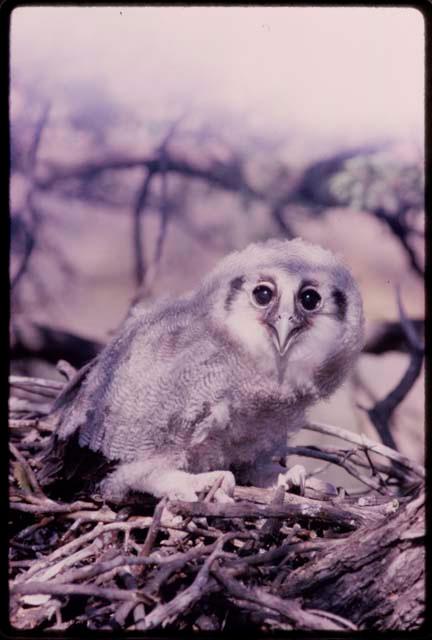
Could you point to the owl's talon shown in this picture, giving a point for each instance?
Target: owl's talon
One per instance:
(112, 491)
(205, 481)
(222, 497)
(183, 494)
(294, 478)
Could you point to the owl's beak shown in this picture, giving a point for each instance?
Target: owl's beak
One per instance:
(284, 329)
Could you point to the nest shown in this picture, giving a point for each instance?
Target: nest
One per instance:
(269, 561)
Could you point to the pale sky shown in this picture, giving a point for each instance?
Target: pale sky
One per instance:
(359, 71)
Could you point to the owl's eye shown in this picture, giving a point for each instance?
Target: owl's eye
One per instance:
(263, 294)
(310, 299)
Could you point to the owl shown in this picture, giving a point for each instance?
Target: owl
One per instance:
(212, 385)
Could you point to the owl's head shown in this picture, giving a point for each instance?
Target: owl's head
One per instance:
(292, 307)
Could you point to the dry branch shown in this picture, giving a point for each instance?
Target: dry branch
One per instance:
(271, 560)
(383, 567)
(321, 513)
(389, 336)
(380, 414)
(288, 609)
(368, 445)
(31, 340)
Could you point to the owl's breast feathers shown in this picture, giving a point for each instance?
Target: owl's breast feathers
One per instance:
(171, 384)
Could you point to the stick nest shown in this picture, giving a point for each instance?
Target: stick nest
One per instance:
(251, 564)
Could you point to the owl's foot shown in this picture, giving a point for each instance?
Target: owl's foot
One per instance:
(175, 484)
(179, 485)
(294, 478)
(206, 481)
(113, 490)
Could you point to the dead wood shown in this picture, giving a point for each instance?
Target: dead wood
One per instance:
(270, 560)
(380, 414)
(389, 336)
(321, 513)
(31, 340)
(376, 578)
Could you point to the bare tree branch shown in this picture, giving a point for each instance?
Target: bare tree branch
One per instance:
(401, 232)
(366, 443)
(137, 226)
(31, 209)
(380, 414)
(389, 336)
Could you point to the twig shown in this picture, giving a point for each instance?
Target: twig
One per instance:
(31, 209)
(42, 504)
(119, 561)
(32, 528)
(66, 369)
(273, 555)
(145, 275)
(33, 588)
(340, 458)
(408, 327)
(50, 388)
(130, 583)
(289, 609)
(38, 341)
(154, 528)
(137, 226)
(169, 564)
(18, 405)
(27, 470)
(366, 443)
(23, 423)
(46, 572)
(174, 164)
(164, 209)
(176, 562)
(272, 525)
(389, 336)
(380, 414)
(203, 584)
(293, 512)
(401, 231)
(37, 137)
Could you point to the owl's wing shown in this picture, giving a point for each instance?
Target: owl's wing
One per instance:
(52, 457)
(70, 390)
(162, 387)
(149, 385)
(87, 390)
(72, 408)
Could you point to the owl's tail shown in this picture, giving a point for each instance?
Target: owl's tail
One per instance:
(63, 461)
(70, 470)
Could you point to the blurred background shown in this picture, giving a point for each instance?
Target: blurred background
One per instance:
(146, 143)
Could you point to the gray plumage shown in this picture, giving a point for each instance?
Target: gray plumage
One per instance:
(218, 379)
